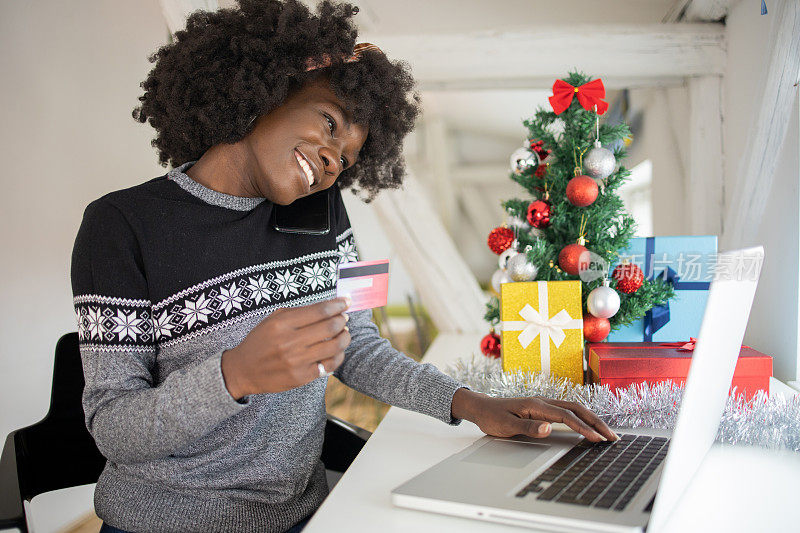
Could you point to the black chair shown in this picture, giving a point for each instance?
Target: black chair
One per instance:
(59, 452)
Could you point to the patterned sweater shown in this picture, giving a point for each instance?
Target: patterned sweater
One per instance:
(168, 274)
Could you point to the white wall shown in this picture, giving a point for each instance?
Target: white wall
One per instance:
(70, 78)
(662, 139)
(773, 326)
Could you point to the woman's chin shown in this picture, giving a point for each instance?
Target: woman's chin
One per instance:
(288, 197)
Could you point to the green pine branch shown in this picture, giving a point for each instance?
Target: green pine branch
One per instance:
(492, 314)
(634, 306)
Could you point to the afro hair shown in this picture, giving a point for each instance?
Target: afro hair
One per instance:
(229, 66)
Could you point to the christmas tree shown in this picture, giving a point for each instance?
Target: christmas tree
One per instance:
(574, 213)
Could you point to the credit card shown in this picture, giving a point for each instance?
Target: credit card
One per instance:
(365, 282)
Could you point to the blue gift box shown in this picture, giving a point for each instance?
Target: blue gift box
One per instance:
(688, 263)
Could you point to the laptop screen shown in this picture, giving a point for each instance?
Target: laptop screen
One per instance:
(713, 362)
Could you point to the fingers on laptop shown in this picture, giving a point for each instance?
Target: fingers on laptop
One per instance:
(531, 428)
(588, 417)
(555, 413)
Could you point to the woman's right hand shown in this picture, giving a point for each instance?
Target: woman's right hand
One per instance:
(283, 350)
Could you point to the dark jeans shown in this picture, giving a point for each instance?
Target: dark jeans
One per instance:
(297, 528)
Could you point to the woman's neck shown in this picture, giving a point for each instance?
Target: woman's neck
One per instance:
(223, 168)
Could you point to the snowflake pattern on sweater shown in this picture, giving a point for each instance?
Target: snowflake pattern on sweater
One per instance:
(124, 324)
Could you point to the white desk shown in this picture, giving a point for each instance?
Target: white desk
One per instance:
(736, 489)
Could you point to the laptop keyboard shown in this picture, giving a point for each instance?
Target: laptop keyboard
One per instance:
(604, 475)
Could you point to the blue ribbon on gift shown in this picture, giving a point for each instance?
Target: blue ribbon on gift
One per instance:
(658, 317)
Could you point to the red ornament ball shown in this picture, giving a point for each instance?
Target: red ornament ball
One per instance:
(569, 259)
(538, 148)
(595, 329)
(490, 345)
(582, 191)
(539, 214)
(500, 239)
(629, 277)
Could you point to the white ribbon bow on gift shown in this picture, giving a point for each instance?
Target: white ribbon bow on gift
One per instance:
(536, 323)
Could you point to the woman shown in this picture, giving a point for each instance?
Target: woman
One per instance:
(206, 334)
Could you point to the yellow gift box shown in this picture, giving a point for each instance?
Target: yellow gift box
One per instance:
(542, 328)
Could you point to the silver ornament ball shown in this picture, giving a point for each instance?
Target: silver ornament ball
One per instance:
(523, 159)
(502, 260)
(603, 302)
(599, 162)
(536, 232)
(520, 269)
(499, 276)
(517, 222)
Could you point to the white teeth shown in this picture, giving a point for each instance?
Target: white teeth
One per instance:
(306, 168)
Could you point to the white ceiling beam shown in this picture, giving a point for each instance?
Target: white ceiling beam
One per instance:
(446, 285)
(704, 191)
(541, 82)
(639, 54)
(756, 170)
(675, 11)
(437, 162)
(477, 174)
(707, 10)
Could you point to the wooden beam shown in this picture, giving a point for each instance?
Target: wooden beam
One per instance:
(480, 173)
(479, 213)
(637, 53)
(756, 169)
(437, 163)
(612, 82)
(708, 10)
(447, 287)
(675, 11)
(704, 192)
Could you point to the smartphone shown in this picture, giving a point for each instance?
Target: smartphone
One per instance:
(309, 215)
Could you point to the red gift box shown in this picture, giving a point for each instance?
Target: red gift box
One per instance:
(620, 364)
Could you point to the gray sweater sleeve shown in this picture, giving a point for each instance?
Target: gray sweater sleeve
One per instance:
(132, 418)
(372, 366)
(132, 421)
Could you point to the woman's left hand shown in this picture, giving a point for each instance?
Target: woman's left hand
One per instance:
(506, 417)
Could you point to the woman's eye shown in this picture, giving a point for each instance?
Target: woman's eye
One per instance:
(331, 124)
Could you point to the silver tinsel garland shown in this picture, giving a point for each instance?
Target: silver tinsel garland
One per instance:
(771, 422)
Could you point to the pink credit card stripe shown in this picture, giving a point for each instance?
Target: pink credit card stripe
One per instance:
(372, 296)
(365, 291)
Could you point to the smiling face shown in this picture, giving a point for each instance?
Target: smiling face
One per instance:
(303, 145)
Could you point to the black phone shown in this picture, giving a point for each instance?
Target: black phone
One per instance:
(309, 215)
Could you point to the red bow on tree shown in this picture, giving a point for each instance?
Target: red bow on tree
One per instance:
(589, 94)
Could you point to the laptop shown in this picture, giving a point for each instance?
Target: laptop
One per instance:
(566, 483)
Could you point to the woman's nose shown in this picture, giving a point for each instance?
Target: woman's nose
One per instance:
(331, 161)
